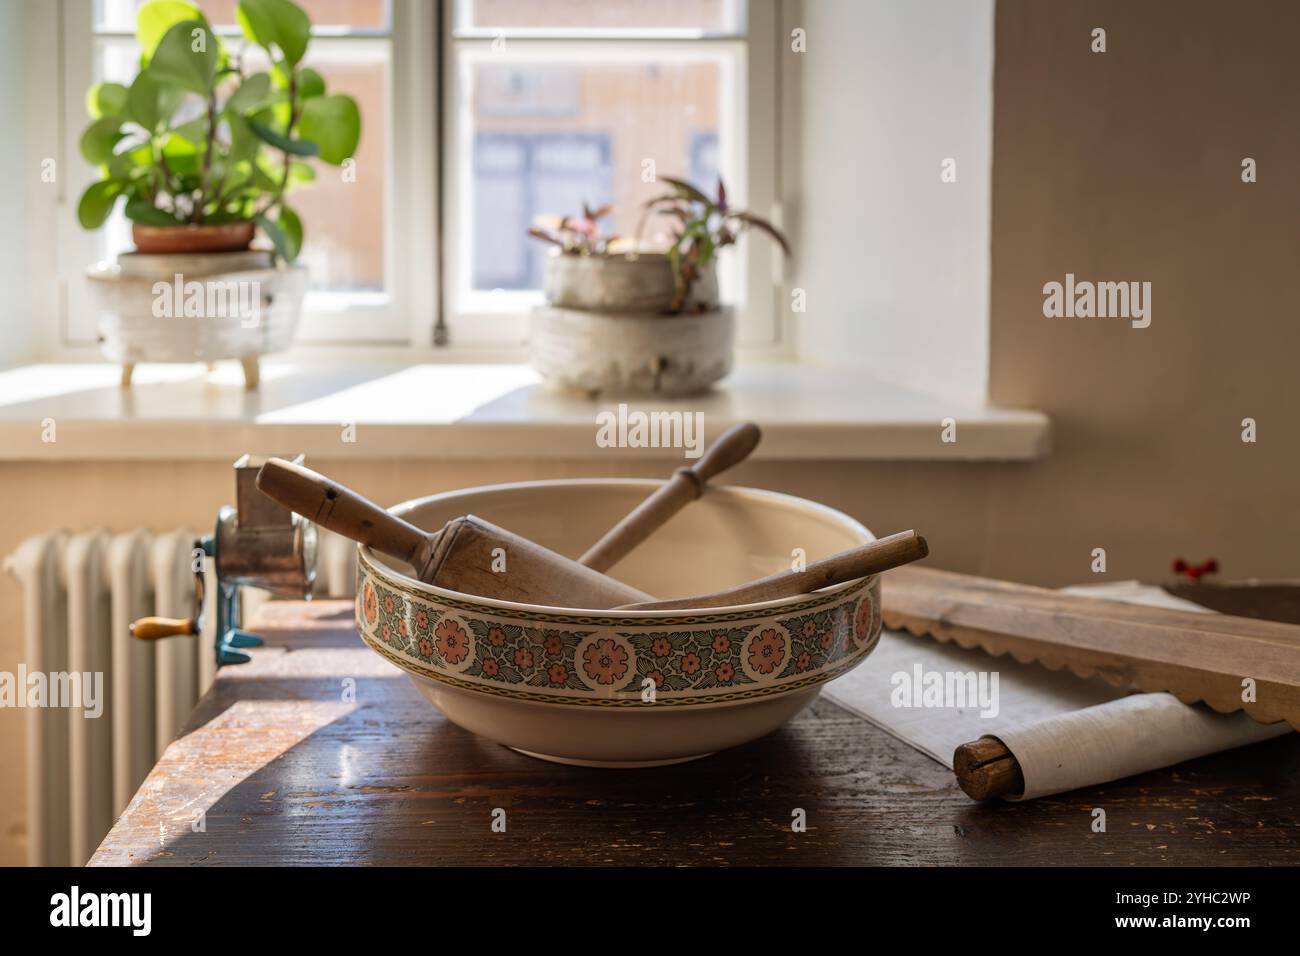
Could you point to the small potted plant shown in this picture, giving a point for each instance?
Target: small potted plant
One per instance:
(610, 274)
(630, 316)
(202, 149)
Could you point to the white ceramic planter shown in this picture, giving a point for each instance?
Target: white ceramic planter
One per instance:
(196, 308)
(631, 353)
(636, 283)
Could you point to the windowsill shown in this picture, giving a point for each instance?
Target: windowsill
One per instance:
(439, 410)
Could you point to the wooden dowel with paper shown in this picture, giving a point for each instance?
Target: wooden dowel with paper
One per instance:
(1134, 733)
(985, 769)
(871, 558)
(460, 557)
(686, 485)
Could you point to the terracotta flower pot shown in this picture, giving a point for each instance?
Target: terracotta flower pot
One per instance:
(167, 240)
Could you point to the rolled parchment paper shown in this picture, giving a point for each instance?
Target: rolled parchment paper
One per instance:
(1123, 737)
(1065, 732)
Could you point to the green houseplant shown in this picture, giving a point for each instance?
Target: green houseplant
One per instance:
(201, 144)
(704, 225)
(203, 148)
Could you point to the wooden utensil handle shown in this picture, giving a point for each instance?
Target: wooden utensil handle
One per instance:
(686, 484)
(985, 769)
(156, 628)
(728, 450)
(872, 558)
(342, 510)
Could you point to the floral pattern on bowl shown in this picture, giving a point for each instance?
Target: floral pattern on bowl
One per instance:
(618, 659)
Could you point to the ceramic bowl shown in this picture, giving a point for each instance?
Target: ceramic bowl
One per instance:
(626, 688)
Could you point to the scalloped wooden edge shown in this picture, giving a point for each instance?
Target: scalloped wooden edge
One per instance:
(1218, 689)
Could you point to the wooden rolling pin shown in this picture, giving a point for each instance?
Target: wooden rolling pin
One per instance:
(872, 558)
(686, 485)
(460, 557)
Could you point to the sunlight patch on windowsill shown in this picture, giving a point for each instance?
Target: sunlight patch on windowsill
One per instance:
(421, 394)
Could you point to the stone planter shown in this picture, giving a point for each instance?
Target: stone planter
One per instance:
(608, 327)
(631, 353)
(640, 283)
(201, 307)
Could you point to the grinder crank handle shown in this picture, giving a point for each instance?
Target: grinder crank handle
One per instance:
(341, 510)
(156, 628)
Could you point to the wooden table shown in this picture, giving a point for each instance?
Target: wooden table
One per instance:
(278, 765)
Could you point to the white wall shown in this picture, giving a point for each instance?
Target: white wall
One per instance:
(894, 262)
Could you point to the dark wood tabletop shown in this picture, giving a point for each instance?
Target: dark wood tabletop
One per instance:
(280, 765)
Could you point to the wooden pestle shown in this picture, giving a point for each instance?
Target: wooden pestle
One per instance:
(460, 557)
(871, 558)
(686, 485)
(466, 553)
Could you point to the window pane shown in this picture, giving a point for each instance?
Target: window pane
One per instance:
(545, 137)
(343, 221)
(697, 16)
(119, 15)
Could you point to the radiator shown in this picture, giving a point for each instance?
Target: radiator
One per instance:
(80, 592)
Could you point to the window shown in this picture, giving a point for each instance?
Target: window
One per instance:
(551, 104)
(349, 224)
(530, 107)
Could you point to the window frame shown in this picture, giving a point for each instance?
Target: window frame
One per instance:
(406, 314)
(751, 89)
(421, 195)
